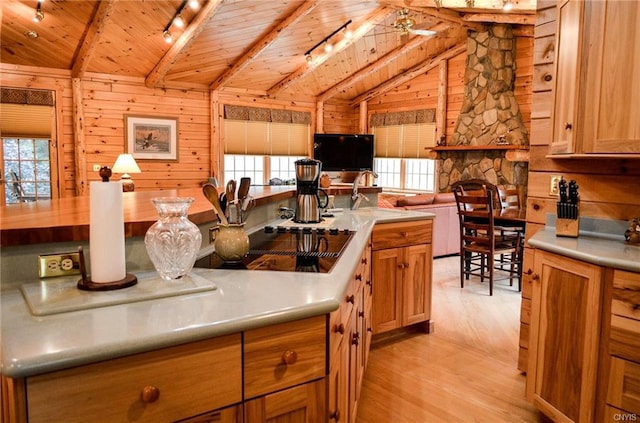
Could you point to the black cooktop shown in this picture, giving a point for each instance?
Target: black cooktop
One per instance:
(288, 248)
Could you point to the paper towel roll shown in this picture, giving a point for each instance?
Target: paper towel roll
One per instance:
(106, 232)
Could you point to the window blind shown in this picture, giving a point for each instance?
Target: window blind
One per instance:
(409, 141)
(266, 138)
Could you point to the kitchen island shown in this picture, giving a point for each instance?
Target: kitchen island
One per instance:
(243, 302)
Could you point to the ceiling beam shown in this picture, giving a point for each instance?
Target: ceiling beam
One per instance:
(91, 38)
(500, 18)
(194, 28)
(379, 64)
(262, 44)
(467, 6)
(409, 74)
(375, 18)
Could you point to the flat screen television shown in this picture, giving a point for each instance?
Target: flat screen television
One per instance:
(344, 152)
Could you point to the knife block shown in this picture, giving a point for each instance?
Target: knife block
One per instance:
(567, 227)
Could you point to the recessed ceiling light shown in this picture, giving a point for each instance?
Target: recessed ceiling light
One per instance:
(31, 34)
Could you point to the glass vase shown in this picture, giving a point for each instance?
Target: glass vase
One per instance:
(173, 241)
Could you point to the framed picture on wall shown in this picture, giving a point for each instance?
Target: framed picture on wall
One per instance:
(151, 138)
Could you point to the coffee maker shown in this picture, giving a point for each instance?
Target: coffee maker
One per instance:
(308, 203)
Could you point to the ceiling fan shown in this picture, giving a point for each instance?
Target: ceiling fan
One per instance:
(407, 25)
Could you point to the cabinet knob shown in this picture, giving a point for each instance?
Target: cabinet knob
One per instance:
(150, 394)
(547, 77)
(361, 314)
(335, 415)
(568, 126)
(364, 260)
(351, 299)
(400, 266)
(340, 328)
(368, 282)
(358, 277)
(529, 272)
(404, 234)
(289, 357)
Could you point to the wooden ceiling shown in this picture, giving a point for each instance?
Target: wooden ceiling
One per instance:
(251, 46)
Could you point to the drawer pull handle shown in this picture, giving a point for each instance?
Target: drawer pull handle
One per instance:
(150, 394)
(340, 328)
(289, 357)
(351, 299)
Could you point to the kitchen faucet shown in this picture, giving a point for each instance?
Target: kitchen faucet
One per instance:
(356, 198)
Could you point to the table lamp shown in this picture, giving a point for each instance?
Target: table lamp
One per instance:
(126, 164)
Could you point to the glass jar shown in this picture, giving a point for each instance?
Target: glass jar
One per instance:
(173, 241)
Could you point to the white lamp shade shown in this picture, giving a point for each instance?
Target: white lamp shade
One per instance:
(125, 164)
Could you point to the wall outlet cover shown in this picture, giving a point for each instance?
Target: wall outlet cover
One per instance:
(64, 264)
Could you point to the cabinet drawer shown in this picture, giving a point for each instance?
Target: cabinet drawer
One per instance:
(401, 234)
(624, 385)
(626, 294)
(190, 379)
(279, 356)
(625, 338)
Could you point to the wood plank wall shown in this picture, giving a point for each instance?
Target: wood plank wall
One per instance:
(608, 187)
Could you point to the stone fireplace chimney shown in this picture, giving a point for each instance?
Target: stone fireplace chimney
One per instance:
(490, 114)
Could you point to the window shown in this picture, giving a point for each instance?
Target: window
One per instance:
(401, 156)
(27, 169)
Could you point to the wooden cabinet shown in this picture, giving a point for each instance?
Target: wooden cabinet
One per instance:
(142, 387)
(597, 85)
(401, 274)
(621, 352)
(350, 339)
(304, 403)
(564, 337)
(284, 355)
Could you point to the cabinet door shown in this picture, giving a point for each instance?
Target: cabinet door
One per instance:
(303, 403)
(387, 289)
(612, 91)
(417, 284)
(567, 68)
(565, 330)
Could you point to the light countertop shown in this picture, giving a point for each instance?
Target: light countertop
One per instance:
(242, 300)
(604, 251)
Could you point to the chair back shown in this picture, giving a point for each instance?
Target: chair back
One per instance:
(479, 187)
(509, 198)
(475, 214)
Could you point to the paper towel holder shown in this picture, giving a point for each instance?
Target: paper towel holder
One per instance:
(86, 284)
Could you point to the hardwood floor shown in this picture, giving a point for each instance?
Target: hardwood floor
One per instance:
(466, 371)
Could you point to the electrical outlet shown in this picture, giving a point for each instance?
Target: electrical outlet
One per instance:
(65, 264)
(96, 168)
(553, 185)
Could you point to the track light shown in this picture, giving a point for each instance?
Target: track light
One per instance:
(507, 5)
(167, 36)
(328, 47)
(194, 5)
(178, 21)
(308, 57)
(470, 3)
(39, 16)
